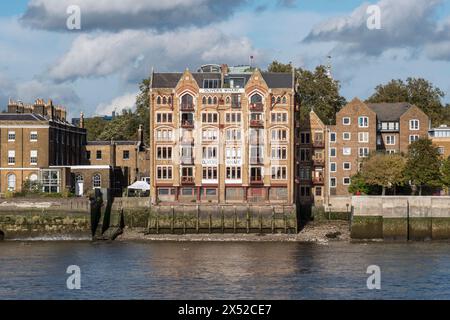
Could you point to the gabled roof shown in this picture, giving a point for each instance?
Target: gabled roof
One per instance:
(389, 111)
(170, 80)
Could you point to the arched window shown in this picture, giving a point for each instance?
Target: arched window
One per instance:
(279, 100)
(33, 177)
(256, 98)
(187, 100)
(12, 182)
(215, 100)
(204, 100)
(228, 100)
(158, 100)
(209, 100)
(169, 100)
(273, 100)
(284, 100)
(97, 181)
(164, 100)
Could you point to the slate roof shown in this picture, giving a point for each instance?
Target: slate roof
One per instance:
(389, 111)
(106, 143)
(170, 80)
(21, 117)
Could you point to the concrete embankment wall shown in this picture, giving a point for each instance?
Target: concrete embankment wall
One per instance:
(401, 218)
(184, 219)
(45, 218)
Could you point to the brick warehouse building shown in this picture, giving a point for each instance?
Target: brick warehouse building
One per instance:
(222, 135)
(364, 128)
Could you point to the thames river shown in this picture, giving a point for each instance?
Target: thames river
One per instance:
(144, 270)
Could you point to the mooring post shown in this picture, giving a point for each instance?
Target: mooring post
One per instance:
(260, 221)
(172, 224)
(248, 219)
(285, 221)
(273, 220)
(210, 222)
(197, 226)
(235, 219)
(157, 219)
(223, 219)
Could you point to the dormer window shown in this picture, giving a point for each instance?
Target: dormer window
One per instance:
(211, 83)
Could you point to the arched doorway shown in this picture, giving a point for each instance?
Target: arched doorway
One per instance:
(79, 185)
(11, 182)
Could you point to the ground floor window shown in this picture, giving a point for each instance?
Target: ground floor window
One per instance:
(209, 192)
(166, 191)
(188, 192)
(234, 194)
(279, 193)
(97, 181)
(11, 182)
(51, 181)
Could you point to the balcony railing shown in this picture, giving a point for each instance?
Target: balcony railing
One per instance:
(256, 107)
(319, 162)
(256, 160)
(319, 144)
(256, 123)
(187, 107)
(187, 124)
(187, 180)
(187, 160)
(318, 181)
(256, 180)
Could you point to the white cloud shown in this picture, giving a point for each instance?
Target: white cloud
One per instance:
(404, 24)
(132, 52)
(127, 101)
(128, 14)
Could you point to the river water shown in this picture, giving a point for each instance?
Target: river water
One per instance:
(143, 270)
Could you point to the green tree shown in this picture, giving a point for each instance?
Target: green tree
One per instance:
(276, 66)
(417, 91)
(95, 126)
(445, 173)
(423, 164)
(316, 90)
(123, 127)
(143, 108)
(358, 185)
(384, 170)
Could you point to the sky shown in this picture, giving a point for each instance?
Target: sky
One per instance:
(97, 69)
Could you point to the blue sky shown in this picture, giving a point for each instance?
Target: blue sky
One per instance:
(98, 69)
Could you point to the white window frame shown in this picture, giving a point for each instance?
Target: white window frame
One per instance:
(33, 156)
(11, 157)
(349, 121)
(364, 124)
(335, 182)
(349, 181)
(349, 166)
(347, 149)
(362, 136)
(335, 153)
(331, 167)
(283, 171)
(416, 137)
(335, 137)
(412, 127)
(347, 134)
(34, 133)
(364, 155)
(11, 136)
(389, 141)
(162, 171)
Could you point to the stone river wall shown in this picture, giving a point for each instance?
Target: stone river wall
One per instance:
(401, 218)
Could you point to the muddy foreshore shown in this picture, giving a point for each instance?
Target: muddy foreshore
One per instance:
(313, 232)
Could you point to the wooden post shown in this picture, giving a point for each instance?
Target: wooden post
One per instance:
(223, 219)
(235, 219)
(273, 220)
(285, 221)
(210, 223)
(248, 219)
(260, 221)
(157, 221)
(172, 224)
(197, 226)
(184, 222)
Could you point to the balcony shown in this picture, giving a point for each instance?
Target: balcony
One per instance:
(258, 180)
(187, 124)
(187, 160)
(188, 107)
(256, 161)
(319, 144)
(256, 107)
(318, 181)
(187, 180)
(319, 163)
(256, 123)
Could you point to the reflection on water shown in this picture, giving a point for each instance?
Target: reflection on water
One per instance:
(36, 270)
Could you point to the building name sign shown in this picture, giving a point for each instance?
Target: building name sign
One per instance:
(223, 90)
(210, 162)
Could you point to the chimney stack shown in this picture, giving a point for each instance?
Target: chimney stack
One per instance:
(141, 134)
(82, 120)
